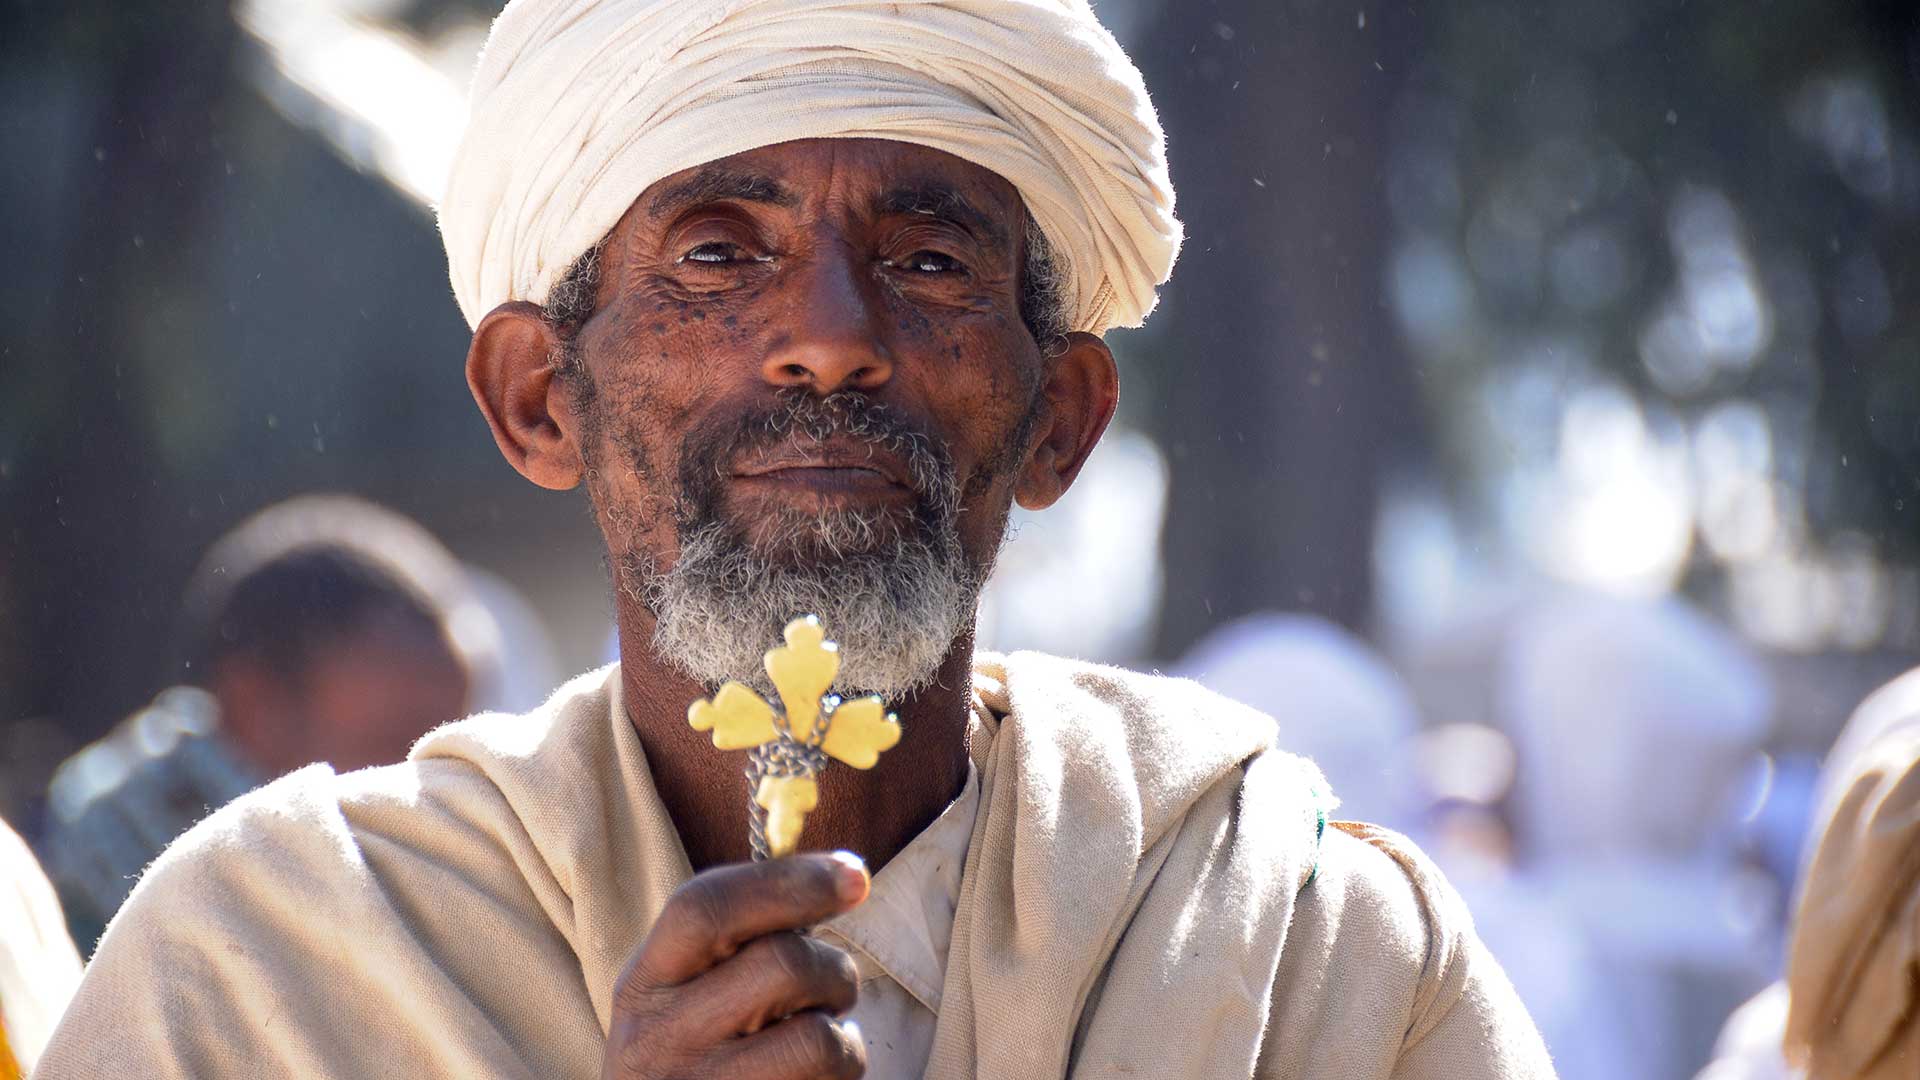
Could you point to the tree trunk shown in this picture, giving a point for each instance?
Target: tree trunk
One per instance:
(1279, 383)
(102, 320)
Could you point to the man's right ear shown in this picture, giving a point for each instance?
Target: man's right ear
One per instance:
(512, 370)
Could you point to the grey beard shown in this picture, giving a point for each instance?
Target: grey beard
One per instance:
(896, 602)
(894, 587)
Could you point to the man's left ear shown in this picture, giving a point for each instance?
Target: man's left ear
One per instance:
(1082, 390)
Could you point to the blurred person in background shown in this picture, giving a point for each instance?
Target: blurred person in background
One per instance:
(322, 629)
(1340, 703)
(1466, 772)
(1334, 700)
(39, 967)
(1849, 1007)
(1634, 723)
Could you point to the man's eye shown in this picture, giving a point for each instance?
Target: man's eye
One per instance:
(715, 253)
(931, 262)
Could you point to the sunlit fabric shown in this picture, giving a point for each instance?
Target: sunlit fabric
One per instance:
(1854, 1004)
(39, 967)
(579, 105)
(1889, 715)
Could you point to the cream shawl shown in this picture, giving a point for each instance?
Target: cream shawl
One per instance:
(1132, 902)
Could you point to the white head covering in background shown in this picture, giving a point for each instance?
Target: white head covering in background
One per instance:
(578, 106)
(1334, 700)
(1634, 721)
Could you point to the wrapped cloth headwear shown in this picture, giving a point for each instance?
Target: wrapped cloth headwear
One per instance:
(578, 106)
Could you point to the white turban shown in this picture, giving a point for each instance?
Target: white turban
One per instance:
(578, 106)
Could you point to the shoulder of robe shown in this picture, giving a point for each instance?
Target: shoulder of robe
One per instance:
(1173, 724)
(401, 890)
(1164, 740)
(1001, 680)
(1382, 975)
(319, 926)
(574, 734)
(1379, 934)
(289, 854)
(308, 835)
(292, 827)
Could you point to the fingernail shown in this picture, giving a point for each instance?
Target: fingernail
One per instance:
(850, 876)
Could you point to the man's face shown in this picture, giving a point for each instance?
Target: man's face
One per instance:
(807, 387)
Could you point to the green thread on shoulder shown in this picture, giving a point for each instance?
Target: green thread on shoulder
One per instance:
(1319, 831)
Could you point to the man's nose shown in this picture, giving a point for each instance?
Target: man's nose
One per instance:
(835, 339)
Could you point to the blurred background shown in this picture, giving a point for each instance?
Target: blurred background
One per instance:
(1532, 425)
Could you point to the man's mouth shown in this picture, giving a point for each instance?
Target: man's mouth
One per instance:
(830, 470)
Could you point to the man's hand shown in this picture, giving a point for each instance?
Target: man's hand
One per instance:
(725, 986)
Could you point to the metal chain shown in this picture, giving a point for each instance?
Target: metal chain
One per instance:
(782, 757)
(756, 814)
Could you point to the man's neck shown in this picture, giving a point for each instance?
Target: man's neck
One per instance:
(873, 812)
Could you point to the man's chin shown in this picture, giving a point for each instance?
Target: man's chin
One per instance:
(816, 560)
(819, 542)
(894, 602)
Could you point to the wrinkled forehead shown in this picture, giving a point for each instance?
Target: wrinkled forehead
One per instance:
(857, 175)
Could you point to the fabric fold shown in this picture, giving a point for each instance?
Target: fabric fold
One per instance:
(1158, 774)
(1853, 967)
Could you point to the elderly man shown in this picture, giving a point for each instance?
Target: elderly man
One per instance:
(806, 293)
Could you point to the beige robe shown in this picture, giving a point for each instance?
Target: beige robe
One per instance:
(898, 940)
(1135, 900)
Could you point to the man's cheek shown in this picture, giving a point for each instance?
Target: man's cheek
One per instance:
(631, 516)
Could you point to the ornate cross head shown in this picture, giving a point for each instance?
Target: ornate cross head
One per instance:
(790, 742)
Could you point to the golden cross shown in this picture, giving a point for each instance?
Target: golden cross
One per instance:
(809, 722)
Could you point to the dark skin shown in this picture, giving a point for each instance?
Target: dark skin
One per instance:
(819, 266)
